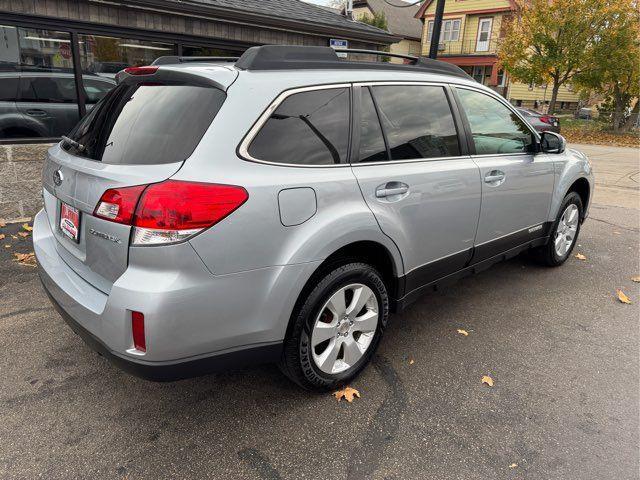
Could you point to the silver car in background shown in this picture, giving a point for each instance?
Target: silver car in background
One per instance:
(210, 215)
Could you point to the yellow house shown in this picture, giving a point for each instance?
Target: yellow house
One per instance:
(401, 21)
(471, 33)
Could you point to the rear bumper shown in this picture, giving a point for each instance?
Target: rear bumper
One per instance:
(195, 322)
(171, 371)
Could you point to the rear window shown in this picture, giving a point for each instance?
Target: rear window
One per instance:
(144, 124)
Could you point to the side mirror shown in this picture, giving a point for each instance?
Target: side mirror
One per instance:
(551, 142)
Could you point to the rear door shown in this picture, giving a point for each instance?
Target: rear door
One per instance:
(49, 99)
(416, 177)
(140, 133)
(517, 183)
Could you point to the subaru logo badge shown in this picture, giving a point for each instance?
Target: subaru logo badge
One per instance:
(57, 177)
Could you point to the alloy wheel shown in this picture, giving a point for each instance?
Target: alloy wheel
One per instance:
(566, 230)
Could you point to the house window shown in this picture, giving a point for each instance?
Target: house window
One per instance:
(501, 78)
(450, 30)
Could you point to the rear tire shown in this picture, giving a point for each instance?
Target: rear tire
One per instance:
(564, 232)
(336, 327)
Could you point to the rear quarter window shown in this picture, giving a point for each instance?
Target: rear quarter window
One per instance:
(307, 128)
(147, 123)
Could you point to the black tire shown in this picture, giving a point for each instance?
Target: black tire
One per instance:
(297, 361)
(547, 254)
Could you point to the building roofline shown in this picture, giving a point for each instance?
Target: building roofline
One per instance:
(425, 5)
(261, 20)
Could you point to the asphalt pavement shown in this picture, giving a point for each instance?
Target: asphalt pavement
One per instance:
(562, 350)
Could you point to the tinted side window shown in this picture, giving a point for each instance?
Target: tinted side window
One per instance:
(48, 89)
(8, 89)
(495, 128)
(417, 121)
(372, 147)
(308, 128)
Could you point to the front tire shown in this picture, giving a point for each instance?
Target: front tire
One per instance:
(336, 327)
(564, 233)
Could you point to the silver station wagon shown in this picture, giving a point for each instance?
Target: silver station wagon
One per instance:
(212, 213)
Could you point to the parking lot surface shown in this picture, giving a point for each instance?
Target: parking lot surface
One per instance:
(560, 347)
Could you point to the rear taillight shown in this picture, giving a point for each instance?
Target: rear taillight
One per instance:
(137, 329)
(170, 211)
(546, 119)
(141, 70)
(119, 204)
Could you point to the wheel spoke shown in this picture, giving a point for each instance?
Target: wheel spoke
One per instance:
(352, 352)
(337, 304)
(367, 322)
(327, 359)
(323, 332)
(572, 217)
(361, 296)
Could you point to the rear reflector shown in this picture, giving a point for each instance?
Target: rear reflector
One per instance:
(141, 70)
(137, 328)
(170, 211)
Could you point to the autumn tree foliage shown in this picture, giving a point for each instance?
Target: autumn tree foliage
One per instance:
(614, 62)
(551, 41)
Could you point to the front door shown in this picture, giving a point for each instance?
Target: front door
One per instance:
(517, 184)
(484, 34)
(423, 191)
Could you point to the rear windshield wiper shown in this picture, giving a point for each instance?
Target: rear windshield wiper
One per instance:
(73, 143)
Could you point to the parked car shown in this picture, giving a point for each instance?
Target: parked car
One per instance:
(44, 104)
(279, 208)
(540, 121)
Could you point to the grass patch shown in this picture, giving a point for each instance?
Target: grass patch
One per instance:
(596, 132)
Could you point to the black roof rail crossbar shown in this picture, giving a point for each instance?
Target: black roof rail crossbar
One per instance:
(377, 53)
(172, 59)
(281, 57)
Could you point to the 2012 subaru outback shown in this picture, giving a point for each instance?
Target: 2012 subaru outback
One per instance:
(208, 215)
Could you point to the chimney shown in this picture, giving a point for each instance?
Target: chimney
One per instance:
(349, 10)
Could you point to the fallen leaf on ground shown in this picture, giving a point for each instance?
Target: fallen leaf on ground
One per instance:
(347, 393)
(2, 235)
(7, 246)
(513, 465)
(463, 332)
(636, 279)
(411, 362)
(622, 297)
(23, 234)
(2, 224)
(488, 380)
(15, 237)
(616, 233)
(580, 256)
(28, 259)
(27, 227)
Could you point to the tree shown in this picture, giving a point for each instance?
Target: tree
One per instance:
(614, 70)
(551, 41)
(378, 19)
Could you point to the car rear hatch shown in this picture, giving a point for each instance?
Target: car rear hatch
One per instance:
(139, 134)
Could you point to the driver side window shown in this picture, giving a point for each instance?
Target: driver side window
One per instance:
(494, 127)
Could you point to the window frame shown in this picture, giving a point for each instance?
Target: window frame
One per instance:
(467, 126)
(243, 148)
(463, 141)
(450, 21)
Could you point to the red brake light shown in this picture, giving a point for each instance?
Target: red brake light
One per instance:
(546, 119)
(141, 70)
(178, 205)
(170, 211)
(119, 204)
(137, 328)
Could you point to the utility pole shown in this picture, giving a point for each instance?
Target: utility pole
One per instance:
(437, 27)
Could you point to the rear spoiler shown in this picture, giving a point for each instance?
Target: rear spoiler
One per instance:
(153, 73)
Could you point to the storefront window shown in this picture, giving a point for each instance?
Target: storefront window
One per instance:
(37, 85)
(194, 51)
(106, 56)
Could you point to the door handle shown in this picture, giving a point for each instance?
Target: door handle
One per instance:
(495, 177)
(36, 113)
(391, 188)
